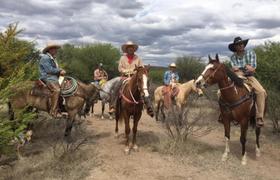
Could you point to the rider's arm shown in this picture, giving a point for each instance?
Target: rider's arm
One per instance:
(96, 75)
(177, 77)
(166, 79)
(233, 63)
(121, 67)
(45, 64)
(252, 61)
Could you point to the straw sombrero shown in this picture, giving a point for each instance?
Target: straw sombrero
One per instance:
(172, 65)
(49, 46)
(129, 43)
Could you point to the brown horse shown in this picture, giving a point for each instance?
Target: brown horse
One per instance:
(133, 94)
(236, 102)
(73, 104)
(185, 90)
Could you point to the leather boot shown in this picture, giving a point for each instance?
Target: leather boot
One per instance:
(259, 122)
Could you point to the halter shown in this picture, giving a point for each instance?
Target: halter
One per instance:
(212, 74)
(133, 99)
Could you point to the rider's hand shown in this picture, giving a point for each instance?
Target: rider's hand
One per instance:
(62, 72)
(250, 68)
(234, 68)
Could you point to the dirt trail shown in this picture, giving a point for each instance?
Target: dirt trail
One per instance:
(204, 164)
(102, 157)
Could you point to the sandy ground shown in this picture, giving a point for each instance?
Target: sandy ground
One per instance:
(203, 161)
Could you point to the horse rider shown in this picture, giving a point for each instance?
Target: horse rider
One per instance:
(49, 74)
(100, 76)
(127, 64)
(129, 59)
(170, 80)
(244, 63)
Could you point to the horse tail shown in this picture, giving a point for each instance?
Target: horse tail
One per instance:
(10, 111)
(118, 110)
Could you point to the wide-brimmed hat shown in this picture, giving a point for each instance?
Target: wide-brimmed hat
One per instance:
(49, 46)
(127, 44)
(172, 65)
(237, 40)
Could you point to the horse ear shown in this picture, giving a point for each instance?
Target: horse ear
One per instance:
(217, 57)
(148, 67)
(209, 57)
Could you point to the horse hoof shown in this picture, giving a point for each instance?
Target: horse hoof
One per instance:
(225, 157)
(135, 148)
(102, 117)
(116, 135)
(110, 117)
(258, 152)
(127, 150)
(244, 160)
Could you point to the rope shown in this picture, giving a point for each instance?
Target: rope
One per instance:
(72, 89)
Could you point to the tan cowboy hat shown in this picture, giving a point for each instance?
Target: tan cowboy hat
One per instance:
(172, 65)
(50, 45)
(129, 43)
(237, 40)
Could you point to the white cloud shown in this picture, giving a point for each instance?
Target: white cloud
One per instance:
(163, 28)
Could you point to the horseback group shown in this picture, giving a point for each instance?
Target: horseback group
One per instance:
(129, 94)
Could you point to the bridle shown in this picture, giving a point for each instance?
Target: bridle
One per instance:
(213, 74)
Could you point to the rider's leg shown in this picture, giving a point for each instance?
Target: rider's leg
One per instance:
(260, 100)
(55, 89)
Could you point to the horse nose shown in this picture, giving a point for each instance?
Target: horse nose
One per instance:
(198, 84)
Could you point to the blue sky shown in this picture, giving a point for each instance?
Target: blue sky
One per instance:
(163, 29)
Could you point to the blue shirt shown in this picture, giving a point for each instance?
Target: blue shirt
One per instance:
(249, 57)
(48, 68)
(168, 76)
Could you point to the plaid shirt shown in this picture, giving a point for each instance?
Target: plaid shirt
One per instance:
(249, 57)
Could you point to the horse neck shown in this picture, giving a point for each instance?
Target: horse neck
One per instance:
(228, 94)
(88, 89)
(133, 87)
(187, 87)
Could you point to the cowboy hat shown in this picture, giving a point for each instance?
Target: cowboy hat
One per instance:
(237, 40)
(129, 43)
(49, 46)
(172, 65)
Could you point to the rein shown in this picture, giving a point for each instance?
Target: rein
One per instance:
(133, 101)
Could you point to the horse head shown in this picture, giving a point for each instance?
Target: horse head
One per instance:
(142, 80)
(212, 74)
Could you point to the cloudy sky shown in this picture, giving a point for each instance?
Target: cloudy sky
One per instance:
(164, 29)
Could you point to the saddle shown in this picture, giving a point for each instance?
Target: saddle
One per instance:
(169, 95)
(68, 88)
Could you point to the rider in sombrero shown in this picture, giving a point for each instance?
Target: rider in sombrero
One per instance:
(244, 62)
(129, 59)
(49, 74)
(127, 63)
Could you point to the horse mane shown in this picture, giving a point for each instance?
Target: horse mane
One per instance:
(237, 80)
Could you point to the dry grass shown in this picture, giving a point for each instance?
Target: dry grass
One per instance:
(50, 157)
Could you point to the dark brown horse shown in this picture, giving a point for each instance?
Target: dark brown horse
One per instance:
(73, 104)
(236, 102)
(133, 95)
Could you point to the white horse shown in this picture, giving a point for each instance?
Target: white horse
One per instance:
(106, 94)
(181, 99)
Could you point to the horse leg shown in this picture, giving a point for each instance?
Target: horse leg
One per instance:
(135, 124)
(227, 139)
(244, 127)
(127, 132)
(157, 106)
(92, 109)
(69, 123)
(258, 132)
(103, 107)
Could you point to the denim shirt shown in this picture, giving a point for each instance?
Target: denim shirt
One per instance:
(168, 77)
(48, 68)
